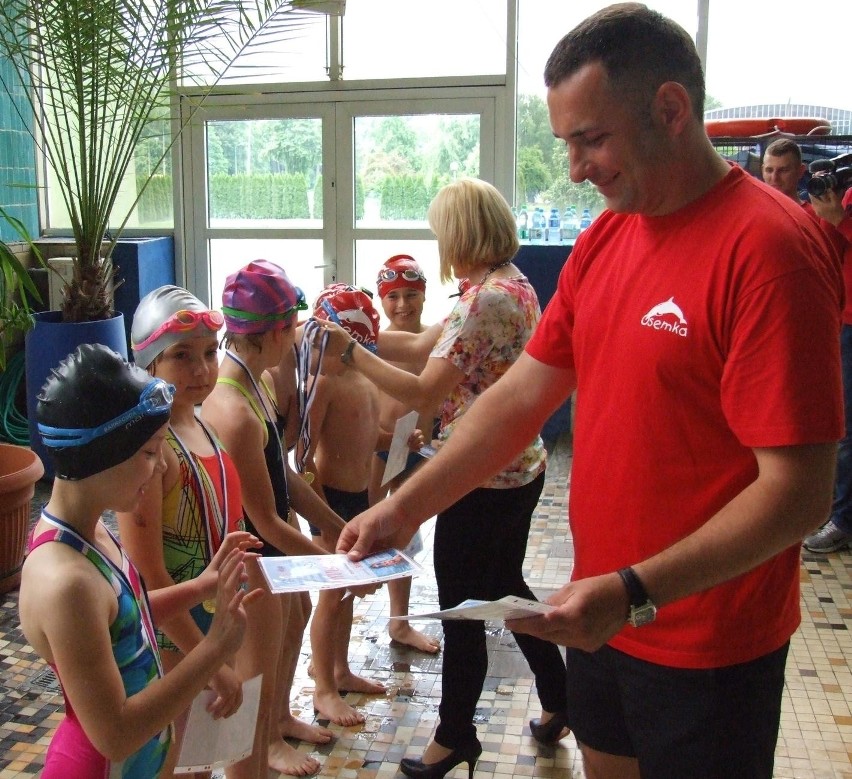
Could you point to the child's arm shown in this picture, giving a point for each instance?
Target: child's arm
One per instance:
(141, 533)
(167, 602)
(242, 435)
(74, 614)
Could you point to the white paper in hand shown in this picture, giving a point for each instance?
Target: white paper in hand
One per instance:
(398, 452)
(510, 607)
(209, 743)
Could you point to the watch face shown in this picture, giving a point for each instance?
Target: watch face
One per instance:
(642, 615)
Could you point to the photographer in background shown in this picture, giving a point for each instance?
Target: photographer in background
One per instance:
(782, 167)
(833, 207)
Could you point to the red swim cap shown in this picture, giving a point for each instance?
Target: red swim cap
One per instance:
(352, 309)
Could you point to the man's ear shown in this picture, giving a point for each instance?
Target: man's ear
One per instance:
(672, 107)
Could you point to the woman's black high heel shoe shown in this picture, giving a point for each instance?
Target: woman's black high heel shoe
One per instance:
(467, 753)
(551, 731)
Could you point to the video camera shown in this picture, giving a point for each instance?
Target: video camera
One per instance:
(835, 174)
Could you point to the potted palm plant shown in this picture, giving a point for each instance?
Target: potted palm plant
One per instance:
(20, 466)
(97, 73)
(16, 287)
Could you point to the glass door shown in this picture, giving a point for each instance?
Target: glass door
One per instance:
(257, 191)
(327, 189)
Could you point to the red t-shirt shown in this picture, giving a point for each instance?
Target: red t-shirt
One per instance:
(694, 336)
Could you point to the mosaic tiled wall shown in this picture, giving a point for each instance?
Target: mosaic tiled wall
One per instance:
(17, 157)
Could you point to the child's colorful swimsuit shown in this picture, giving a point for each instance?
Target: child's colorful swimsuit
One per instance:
(71, 755)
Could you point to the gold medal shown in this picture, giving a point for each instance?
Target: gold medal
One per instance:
(209, 606)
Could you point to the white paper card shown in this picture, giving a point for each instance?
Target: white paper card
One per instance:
(510, 607)
(215, 743)
(334, 571)
(398, 452)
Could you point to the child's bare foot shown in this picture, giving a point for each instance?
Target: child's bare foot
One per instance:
(286, 760)
(402, 633)
(333, 708)
(292, 727)
(350, 682)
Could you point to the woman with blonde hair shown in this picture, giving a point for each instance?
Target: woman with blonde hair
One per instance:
(480, 541)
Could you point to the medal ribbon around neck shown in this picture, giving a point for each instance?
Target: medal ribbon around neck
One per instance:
(305, 388)
(215, 518)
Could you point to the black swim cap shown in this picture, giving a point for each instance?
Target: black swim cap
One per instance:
(87, 391)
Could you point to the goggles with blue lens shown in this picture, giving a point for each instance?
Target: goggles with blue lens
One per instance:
(155, 400)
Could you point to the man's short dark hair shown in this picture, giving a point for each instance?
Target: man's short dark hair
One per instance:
(781, 146)
(640, 50)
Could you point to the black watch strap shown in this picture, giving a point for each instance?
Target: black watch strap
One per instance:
(635, 589)
(641, 611)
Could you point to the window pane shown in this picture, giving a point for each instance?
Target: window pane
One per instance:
(298, 257)
(402, 161)
(542, 179)
(393, 39)
(265, 173)
(293, 49)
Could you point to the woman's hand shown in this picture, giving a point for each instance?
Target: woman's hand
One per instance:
(338, 338)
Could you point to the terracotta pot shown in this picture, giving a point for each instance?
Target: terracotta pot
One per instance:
(20, 469)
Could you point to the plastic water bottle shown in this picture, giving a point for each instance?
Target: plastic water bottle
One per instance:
(523, 224)
(537, 231)
(570, 226)
(585, 219)
(554, 226)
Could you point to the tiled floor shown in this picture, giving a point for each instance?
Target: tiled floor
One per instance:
(816, 731)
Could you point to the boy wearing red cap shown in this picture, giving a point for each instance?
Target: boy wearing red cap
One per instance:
(344, 423)
(402, 289)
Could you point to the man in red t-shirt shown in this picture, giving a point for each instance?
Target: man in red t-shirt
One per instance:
(834, 210)
(782, 169)
(704, 447)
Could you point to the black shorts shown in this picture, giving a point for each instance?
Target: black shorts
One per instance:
(345, 504)
(718, 723)
(413, 461)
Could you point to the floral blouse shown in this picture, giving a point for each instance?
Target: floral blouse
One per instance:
(483, 336)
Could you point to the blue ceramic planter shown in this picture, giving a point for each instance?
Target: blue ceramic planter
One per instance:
(50, 342)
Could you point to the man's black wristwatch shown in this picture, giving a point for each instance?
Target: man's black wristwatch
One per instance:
(642, 610)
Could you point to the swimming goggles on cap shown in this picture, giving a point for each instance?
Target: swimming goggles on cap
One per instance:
(155, 400)
(249, 316)
(182, 322)
(409, 274)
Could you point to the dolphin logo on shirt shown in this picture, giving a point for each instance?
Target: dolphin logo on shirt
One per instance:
(660, 318)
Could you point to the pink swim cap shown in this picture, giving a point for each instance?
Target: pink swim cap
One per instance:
(258, 298)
